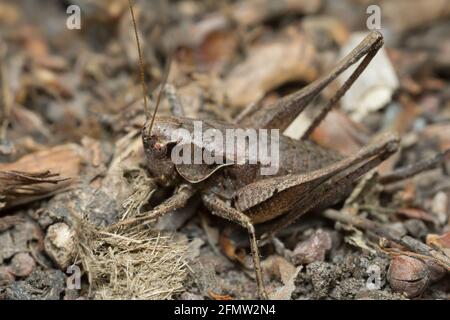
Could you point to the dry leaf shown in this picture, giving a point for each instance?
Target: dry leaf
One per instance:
(286, 272)
(269, 65)
(229, 248)
(338, 132)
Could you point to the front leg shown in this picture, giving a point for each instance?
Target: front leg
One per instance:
(223, 210)
(176, 201)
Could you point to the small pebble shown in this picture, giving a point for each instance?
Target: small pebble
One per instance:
(59, 244)
(416, 228)
(313, 249)
(22, 264)
(408, 275)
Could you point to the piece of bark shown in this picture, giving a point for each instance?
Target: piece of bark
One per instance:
(17, 187)
(414, 213)
(39, 175)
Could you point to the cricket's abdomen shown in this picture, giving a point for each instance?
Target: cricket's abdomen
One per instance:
(294, 157)
(277, 205)
(304, 156)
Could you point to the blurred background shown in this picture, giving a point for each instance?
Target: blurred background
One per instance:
(71, 103)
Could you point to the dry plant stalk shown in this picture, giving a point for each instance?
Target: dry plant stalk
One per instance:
(133, 263)
(18, 187)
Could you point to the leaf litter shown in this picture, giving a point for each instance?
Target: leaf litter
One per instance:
(72, 162)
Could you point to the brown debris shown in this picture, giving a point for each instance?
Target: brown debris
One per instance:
(70, 118)
(441, 242)
(8, 222)
(268, 65)
(338, 132)
(21, 187)
(6, 277)
(22, 237)
(285, 272)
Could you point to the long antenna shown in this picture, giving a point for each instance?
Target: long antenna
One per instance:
(141, 60)
(161, 90)
(141, 64)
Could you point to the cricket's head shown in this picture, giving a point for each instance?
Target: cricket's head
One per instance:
(159, 141)
(156, 134)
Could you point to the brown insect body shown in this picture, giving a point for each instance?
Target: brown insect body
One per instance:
(308, 176)
(303, 165)
(295, 156)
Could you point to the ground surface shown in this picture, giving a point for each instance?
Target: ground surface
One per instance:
(72, 164)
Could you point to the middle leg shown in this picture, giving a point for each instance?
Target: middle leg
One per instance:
(223, 210)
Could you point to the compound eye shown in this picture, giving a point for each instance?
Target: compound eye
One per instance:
(159, 149)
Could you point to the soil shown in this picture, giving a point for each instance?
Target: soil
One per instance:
(72, 162)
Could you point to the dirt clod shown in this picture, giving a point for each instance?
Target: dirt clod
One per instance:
(40, 285)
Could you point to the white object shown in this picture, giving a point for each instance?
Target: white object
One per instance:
(374, 87)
